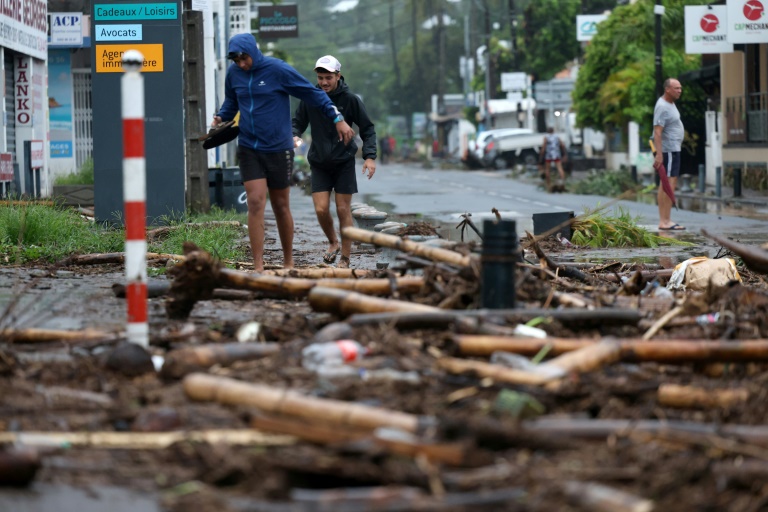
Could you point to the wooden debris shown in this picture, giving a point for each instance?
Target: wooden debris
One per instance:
(493, 371)
(601, 498)
(562, 271)
(416, 248)
(142, 440)
(154, 234)
(186, 360)
(588, 358)
(18, 466)
(321, 273)
(273, 400)
(345, 303)
(112, 257)
(756, 259)
(33, 335)
(673, 395)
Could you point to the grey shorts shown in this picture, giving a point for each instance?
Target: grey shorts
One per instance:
(275, 167)
(341, 178)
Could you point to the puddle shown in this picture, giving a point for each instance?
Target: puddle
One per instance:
(713, 206)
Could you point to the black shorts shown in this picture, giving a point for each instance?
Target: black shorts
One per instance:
(275, 167)
(340, 178)
(672, 163)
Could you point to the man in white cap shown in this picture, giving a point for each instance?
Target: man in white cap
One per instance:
(331, 161)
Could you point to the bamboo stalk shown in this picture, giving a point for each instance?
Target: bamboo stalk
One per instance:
(321, 273)
(416, 248)
(143, 440)
(273, 400)
(588, 358)
(307, 431)
(34, 335)
(673, 395)
(632, 349)
(190, 359)
(601, 498)
(493, 371)
(345, 303)
(661, 322)
(297, 287)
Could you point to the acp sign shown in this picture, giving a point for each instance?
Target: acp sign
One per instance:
(747, 21)
(586, 25)
(706, 29)
(66, 28)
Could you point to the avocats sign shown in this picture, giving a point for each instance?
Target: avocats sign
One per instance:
(277, 21)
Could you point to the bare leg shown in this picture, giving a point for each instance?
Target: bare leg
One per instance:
(546, 175)
(322, 202)
(665, 205)
(344, 212)
(281, 205)
(256, 192)
(560, 170)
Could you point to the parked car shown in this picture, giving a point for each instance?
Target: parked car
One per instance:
(507, 149)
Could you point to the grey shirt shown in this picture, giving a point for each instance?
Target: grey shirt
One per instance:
(666, 115)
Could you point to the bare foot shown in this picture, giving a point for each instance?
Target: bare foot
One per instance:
(343, 262)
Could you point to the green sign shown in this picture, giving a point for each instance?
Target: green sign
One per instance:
(117, 12)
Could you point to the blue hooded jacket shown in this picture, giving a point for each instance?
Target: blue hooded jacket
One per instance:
(261, 94)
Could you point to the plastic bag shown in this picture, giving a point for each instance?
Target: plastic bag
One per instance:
(697, 273)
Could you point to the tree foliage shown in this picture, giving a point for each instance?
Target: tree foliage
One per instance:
(617, 81)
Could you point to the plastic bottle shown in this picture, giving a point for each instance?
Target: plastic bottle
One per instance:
(331, 354)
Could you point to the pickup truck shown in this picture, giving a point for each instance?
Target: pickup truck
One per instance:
(504, 151)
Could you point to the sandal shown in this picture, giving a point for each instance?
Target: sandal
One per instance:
(343, 262)
(330, 256)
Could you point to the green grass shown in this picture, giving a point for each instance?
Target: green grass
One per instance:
(84, 176)
(46, 234)
(596, 228)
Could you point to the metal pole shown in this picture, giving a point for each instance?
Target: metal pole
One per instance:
(719, 181)
(466, 60)
(134, 197)
(658, 11)
(702, 179)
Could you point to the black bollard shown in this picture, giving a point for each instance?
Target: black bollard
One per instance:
(702, 179)
(633, 173)
(737, 182)
(498, 259)
(218, 191)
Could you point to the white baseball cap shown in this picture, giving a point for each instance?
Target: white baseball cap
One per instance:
(328, 63)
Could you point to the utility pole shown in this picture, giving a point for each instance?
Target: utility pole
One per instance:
(513, 33)
(658, 11)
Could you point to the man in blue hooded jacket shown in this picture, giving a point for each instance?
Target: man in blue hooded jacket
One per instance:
(259, 87)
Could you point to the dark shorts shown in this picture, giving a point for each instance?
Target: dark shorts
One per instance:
(275, 167)
(341, 178)
(672, 163)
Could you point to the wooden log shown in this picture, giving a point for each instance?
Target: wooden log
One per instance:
(143, 440)
(296, 287)
(409, 445)
(685, 397)
(493, 371)
(153, 234)
(416, 248)
(278, 401)
(569, 272)
(755, 258)
(601, 498)
(33, 335)
(345, 303)
(632, 349)
(186, 360)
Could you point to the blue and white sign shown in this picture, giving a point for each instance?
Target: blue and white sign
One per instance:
(586, 25)
(66, 28)
(117, 32)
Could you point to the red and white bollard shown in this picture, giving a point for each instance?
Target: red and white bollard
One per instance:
(134, 197)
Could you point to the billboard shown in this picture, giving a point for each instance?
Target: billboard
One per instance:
(586, 25)
(747, 21)
(277, 21)
(706, 29)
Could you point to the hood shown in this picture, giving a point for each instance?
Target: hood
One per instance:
(341, 87)
(246, 43)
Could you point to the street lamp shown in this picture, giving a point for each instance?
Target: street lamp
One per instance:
(658, 11)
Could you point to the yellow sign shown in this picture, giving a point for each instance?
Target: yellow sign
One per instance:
(109, 57)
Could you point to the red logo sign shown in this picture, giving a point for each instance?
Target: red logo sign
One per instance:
(709, 23)
(753, 10)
